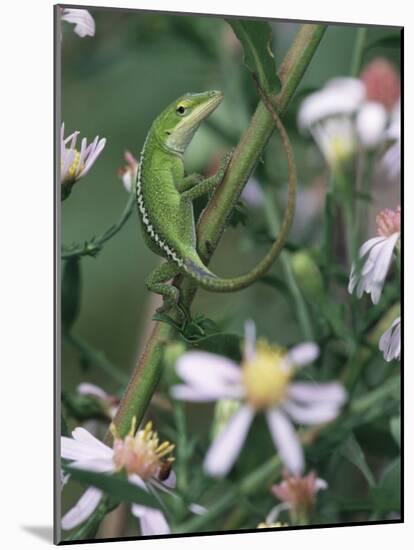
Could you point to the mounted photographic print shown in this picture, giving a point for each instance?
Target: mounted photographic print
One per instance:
(228, 281)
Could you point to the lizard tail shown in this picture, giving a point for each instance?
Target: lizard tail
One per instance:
(194, 266)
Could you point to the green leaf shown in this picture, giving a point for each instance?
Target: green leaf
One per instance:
(113, 485)
(395, 426)
(387, 494)
(256, 39)
(222, 344)
(351, 450)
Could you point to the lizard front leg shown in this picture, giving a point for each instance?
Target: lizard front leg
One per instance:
(208, 184)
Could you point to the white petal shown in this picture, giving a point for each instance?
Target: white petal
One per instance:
(90, 389)
(286, 441)
(136, 480)
(316, 413)
(339, 97)
(152, 521)
(370, 122)
(93, 155)
(84, 446)
(320, 484)
(274, 512)
(197, 509)
(188, 393)
(171, 480)
(384, 260)
(309, 392)
(303, 354)
(369, 244)
(82, 509)
(224, 450)
(249, 340)
(390, 341)
(208, 371)
(80, 434)
(82, 19)
(94, 465)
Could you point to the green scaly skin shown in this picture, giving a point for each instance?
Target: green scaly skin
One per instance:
(165, 196)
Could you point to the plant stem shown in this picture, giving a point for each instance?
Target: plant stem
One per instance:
(211, 225)
(358, 51)
(96, 357)
(249, 485)
(273, 217)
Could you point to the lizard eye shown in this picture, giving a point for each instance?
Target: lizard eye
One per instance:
(180, 110)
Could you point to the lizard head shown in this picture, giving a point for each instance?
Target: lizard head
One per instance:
(177, 124)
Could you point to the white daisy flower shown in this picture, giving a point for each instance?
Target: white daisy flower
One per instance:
(390, 341)
(327, 115)
(128, 173)
(82, 19)
(76, 164)
(376, 255)
(347, 113)
(145, 460)
(262, 383)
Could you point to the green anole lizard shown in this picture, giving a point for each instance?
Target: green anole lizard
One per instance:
(164, 197)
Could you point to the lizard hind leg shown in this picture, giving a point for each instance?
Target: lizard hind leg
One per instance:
(157, 282)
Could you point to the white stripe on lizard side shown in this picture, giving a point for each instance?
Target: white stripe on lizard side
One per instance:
(145, 218)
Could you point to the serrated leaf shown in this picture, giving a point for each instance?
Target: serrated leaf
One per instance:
(387, 494)
(256, 39)
(351, 450)
(395, 427)
(113, 485)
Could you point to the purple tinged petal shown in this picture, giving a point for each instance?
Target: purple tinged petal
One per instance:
(91, 389)
(93, 154)
(303, 354)
(309, 392)
(225, 448)
(286, 441)
(94, 465)
(82, 509)
(152, 521)
(315, 413)
(207, 371)
(249, 340)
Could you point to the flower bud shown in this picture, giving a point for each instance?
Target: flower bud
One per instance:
(307, 274)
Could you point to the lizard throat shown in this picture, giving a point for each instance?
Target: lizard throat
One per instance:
(148, 226)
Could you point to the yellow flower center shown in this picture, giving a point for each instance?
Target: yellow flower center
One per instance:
(340, 150)
(266, 376)
(73, 169)
(264, 525)
(142, 453)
